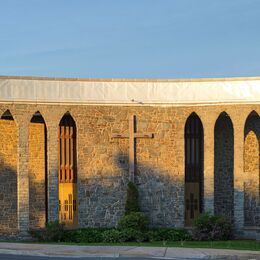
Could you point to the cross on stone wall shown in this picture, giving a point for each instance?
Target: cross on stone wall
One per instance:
(132, 135)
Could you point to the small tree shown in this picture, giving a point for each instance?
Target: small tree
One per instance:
(133, 219)
(131, 199)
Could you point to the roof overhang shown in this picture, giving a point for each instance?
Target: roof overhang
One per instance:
(126, 92)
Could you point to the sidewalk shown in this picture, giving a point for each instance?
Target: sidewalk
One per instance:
(124, 251)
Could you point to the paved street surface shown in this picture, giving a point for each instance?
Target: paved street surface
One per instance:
(15, 257)
(21, 251)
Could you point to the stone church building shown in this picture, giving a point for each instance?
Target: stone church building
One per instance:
(68, 148)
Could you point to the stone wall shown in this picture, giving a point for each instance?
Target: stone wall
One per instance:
(103, 167)
(37, 175)
(103, 161)
(251, 171)
(8, 176)
(224, 169)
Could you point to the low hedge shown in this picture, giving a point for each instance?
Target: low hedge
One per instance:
(169, 234)
(124, 235)
(86, 235)
(134, 228)
(55, 232)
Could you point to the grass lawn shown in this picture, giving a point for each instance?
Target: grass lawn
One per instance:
(230, 244)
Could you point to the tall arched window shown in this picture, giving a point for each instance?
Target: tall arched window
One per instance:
(251, 170)
(67, 171)
(224, 167)
(193, 168)
(38, 201)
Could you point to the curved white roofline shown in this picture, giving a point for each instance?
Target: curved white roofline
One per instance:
(129, 91)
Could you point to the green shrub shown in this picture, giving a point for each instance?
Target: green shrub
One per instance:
(209, 227)
(169, 234)
(133, 224)
(111, 236)
(132, 230)
(134, 220)
(86, 235)
(123, 235)
(131, 199)
(54, 231)
(132, 235)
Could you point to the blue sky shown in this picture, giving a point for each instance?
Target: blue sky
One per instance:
(130, 38)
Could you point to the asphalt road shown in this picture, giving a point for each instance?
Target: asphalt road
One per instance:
(24, 257)
(20, 257)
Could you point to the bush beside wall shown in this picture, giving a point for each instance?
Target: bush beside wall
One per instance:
(209, 227)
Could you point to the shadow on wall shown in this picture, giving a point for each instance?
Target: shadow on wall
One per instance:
(8, 175)
(102, 192)
(8, 198)
(103, 195)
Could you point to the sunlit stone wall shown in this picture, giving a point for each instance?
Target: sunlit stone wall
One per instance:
(37, 175)
(251, 168)
(8, 176)
(102, 162)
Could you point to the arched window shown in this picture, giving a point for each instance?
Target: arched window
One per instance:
(224, 167)
(7, 115)
(67, 144)
(251, 170)
(193, 168)
(67, 171)
(38, 202)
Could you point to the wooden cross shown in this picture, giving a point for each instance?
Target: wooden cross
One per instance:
(132, 136)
